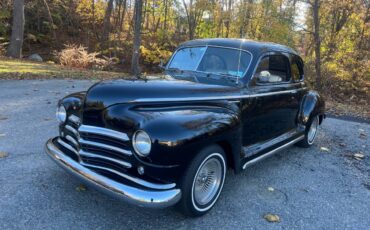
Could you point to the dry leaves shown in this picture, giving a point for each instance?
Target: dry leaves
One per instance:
(271, 217)
(2, 134)
(81, 188)
(3, 154)
(358, 156)
(362, 134)
(270, 189)
(324, 149)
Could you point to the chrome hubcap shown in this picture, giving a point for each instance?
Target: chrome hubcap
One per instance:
(313, 130)
(207, 181)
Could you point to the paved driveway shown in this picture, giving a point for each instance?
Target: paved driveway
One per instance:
(313, 188)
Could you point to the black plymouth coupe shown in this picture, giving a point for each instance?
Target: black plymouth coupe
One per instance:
(157, 142)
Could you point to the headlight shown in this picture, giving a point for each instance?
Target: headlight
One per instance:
(61, 114)
(141, 143)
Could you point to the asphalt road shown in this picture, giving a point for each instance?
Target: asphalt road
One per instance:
(312, 188)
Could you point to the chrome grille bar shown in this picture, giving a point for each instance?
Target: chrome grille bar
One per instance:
(104, 146)
(92, 155)
(73, 141)
(104, 132)
(133, 179)
(72, 130)
(74, 119)
(67, 146)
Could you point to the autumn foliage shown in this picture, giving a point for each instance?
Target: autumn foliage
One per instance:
(101, 32)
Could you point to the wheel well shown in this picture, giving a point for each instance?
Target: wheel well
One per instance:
(225, 145)
(321, 118)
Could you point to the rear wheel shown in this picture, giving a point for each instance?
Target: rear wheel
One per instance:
(203, 181)
(310, 133)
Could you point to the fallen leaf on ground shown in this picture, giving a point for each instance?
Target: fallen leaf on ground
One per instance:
(362, 135)
(270, 189)
(3, 154)
(272, 217)
(324, 149)
(342, 144)
(81, 188)
(2, 134)
(361, 130)
(359, 156)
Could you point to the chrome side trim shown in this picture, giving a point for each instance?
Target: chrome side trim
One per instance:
(134, 195)
(67, 146)
(72, 130)
(72, 140)
(140, 100)
(257, 159)
(104, 132)
(104, 146)
(74, 119)
(92, 155)
(133, 179)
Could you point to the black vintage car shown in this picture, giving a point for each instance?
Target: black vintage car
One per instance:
(221, 103)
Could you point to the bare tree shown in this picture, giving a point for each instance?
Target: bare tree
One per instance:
(51, 21)
(315, 7)
(106, 24)
(316, 21)
(194, 12)
(16, 39)
(135, 69)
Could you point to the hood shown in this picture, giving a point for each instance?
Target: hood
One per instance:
(107, 93)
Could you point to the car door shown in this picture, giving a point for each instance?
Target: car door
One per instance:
(275, 104)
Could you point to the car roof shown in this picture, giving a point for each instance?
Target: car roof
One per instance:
(255, 47)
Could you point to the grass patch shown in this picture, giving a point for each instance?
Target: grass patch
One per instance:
(24, 69)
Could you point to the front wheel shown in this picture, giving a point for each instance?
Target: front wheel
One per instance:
(203, 181)
(310, 133)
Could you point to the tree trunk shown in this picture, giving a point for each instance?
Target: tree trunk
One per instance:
(16, 39)
(190, 18)
(316, 21)
(106, 25)
(165, 15)
(135, 68)
(51, 21)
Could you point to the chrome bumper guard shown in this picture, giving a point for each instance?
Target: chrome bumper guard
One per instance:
(132, 195)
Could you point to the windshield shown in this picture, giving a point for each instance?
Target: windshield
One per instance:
(211, 60)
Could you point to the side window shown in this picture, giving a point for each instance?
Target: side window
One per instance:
(297, 70)
(273, 69)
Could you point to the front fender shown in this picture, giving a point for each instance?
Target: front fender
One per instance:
(73, 102)
(177, 132)
(312, 105)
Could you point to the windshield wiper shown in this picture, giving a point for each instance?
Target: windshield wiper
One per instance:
(174, 69)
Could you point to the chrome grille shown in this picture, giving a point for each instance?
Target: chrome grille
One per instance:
(102, 149)
(96, 146)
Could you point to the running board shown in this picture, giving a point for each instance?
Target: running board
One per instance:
(272, 152)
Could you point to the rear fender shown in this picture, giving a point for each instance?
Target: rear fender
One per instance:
(312, 105)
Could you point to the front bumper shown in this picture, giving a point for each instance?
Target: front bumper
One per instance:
(130, 194)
